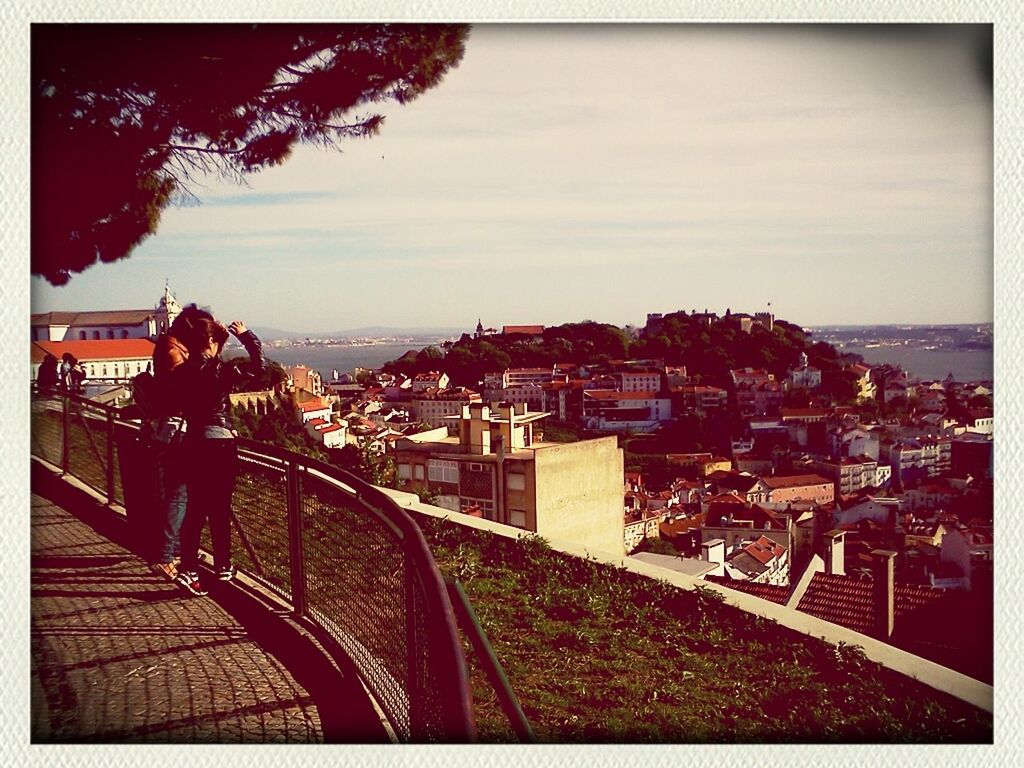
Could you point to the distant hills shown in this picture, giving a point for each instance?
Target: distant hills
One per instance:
(377, 331)
(369, 331)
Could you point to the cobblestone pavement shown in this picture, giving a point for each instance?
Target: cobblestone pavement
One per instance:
(120, 655)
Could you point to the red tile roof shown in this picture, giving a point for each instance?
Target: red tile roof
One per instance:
(774, 593)
(312, 405)
(794, 481)
(797, 412)
(727, 498)
(763, 550)
(102, 317)
(94, 349)
(672, 528)
(612, 394)
(532, 330)
(848, 600)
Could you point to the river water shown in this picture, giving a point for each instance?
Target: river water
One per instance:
(343, 358)
(964, 364)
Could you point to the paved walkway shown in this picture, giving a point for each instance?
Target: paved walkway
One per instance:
(120, 655)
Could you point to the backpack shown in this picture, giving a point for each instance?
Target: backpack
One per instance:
(146, 394)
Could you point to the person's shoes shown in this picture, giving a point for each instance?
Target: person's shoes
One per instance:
(168, 570)
(189, 580)
(227, 574)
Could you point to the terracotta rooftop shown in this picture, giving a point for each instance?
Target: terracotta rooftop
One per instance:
(612, 394)
(847, 600)
(103, 317)
(797, 412)
(794, 481)
(774, 593)
(95, 349)
(532, 330)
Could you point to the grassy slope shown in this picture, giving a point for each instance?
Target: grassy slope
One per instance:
(595, 653)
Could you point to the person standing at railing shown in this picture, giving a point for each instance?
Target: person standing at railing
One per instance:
(46, 380)
(166, 430)
(76, 378)
(210, 449)
(67, 362)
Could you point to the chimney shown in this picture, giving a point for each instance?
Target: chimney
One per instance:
(713, 551)
(882, 592)
(835, 553)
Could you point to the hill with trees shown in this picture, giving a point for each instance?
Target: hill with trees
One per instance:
(708, 351)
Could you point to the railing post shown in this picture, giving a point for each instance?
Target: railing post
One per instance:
(489, 661)
(296, 568)
(110, 457)
(416, 714)
(66, 430)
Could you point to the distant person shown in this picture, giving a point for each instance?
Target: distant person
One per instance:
(166, 431)
(76, 378)
(67, 362)
(210, 448)
(48, 376)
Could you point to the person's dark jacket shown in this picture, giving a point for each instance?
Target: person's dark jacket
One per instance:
(48, 376)
(204, 385)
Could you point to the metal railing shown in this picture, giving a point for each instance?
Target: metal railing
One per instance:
(348, 560)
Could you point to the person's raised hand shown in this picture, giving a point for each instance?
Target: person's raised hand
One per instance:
(237, 327)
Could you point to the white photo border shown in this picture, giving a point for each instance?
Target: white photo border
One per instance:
(14, 412)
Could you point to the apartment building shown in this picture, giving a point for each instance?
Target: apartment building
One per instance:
(915, 460)
(438, 407)
(421, 382)
(495, 468)
(618, 411)
(639, 380)
(852, 474)
(702, 398)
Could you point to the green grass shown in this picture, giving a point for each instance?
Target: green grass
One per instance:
(596, 653)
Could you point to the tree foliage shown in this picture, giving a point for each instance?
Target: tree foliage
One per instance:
(127, 117)
(373, 468)
(280, 427)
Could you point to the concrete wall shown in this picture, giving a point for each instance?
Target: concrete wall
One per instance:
(579, 494)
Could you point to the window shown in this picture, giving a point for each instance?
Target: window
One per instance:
(81, 335)
(417, 471)
(95, 334)
(110, 334)
(517, 517)
(404, 472)
(443, 471)
(516, 482)
(124, 334)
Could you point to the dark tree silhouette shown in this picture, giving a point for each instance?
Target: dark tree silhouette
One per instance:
(126, 117)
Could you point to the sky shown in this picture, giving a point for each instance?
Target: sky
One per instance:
(571, 172)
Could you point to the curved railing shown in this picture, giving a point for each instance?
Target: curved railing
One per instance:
(346, 558)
